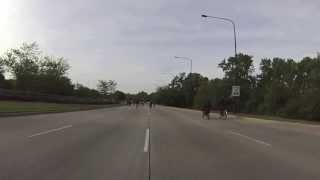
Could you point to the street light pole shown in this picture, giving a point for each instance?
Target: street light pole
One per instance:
(235, 47)
(234, 29)
(186, 58)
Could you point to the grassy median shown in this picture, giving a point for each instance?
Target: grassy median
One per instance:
(19, 107)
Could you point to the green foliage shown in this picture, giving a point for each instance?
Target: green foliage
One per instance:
(106, 88)
(142, 96)
(181, 91)
(54, 70)
(215, 90)
(119, 96)
(23, 63)
(54, 67)
(170, 96)
(283, 87)
(34, 72)
(83, 91)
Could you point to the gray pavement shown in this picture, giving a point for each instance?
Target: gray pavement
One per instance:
(111, 144)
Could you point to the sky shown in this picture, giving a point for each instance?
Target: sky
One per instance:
(134, 41)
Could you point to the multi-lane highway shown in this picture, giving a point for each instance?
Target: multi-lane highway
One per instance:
(159, 144)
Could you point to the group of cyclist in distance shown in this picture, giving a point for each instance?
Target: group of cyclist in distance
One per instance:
(222, 106)
(138, 103)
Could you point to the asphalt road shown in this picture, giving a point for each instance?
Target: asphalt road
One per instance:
(159, 144)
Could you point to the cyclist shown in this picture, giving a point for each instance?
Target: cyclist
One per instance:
(150, 104)
(223, 108)
(206, 108)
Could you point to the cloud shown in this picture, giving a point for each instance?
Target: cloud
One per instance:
(133, 42)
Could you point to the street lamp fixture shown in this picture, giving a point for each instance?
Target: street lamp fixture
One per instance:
(234, 29)
(185, 58)
(235, 48)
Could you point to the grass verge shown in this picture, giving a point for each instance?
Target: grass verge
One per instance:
(277, 118)
(8, 108)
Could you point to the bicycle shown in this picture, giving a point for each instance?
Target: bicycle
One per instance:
(224, 114)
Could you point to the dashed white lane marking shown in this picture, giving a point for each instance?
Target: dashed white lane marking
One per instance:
(250, 138)
(50, 131)
(146, 142)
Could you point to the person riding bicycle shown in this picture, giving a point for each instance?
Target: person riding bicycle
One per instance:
(150, 104)
(206, 108)
(223, 106)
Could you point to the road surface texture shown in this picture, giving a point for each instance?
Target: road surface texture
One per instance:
(159, 144)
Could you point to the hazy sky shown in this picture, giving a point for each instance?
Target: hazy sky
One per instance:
(134, 41)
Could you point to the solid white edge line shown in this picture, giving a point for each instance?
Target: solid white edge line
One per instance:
(49, 131)
(146, 142)
(250, 138)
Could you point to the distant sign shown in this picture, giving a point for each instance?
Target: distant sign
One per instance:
(235, 91)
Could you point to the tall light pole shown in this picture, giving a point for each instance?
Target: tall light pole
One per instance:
(186, 58)
(235, 47)
(234, 29)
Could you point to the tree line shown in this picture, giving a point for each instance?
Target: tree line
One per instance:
(31, 70)
(281, 87)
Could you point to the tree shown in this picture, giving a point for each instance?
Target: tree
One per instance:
(190, 86)
(181, 90)
(83, 91)
(278, 84)
(169, 96)
(106, 88)
(119, 96)
(34, 72)
(54, 67)
(142, 96)
(177, 81)
(2, 78)
(23, 63)
(284, 87)
(238, 71)
(213, 90)
(53, 78)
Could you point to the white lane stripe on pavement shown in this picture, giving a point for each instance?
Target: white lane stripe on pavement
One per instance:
(250, 138)
(146, 142)
(50, 131)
